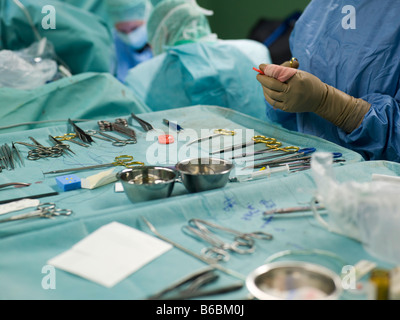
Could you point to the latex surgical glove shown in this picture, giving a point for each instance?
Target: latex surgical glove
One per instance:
(293, 90)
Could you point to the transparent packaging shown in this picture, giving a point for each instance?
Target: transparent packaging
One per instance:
(28, 68)
(367, 212)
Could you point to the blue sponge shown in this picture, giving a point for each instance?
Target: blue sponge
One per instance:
(68, 183)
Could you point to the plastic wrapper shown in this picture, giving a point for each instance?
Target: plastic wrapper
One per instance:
(367, 212)
(28, 68)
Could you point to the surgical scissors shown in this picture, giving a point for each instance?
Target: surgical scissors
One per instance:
(117, 142)
(243, 243)
(217, 133)
(123, 160)
(46, 210)
(292, 154)
(70, 137)
(62, 145)
(39, 151)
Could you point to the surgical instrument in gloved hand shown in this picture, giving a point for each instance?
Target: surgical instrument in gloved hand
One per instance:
(304, 92)
(64, 146)
(211, 262)
(194, 282)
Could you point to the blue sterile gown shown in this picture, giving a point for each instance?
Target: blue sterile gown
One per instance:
(363, 62)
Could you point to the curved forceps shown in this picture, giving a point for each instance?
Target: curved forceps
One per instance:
(45, 210)
(217, 133)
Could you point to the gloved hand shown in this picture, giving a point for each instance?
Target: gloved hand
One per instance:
(300, 91)
(294, 63)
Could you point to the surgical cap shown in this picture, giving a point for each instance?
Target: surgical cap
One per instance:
(128, 10)
(173, 21)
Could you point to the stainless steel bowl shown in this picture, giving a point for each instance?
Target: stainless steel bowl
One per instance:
(202, 174)
(293, 280)
(147, 182)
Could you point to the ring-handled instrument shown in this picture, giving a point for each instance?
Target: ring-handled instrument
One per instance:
(62, 145)
(124, 160)
(211, 262)
(116, 142)
(40, 152)
(298, 157)
(256, 139)
(292, 154)
(45, 210)
(95, 134)
(217, 133)
(271, 149)
(70, 137)
(16, 152)
(242, 243)
(291, 160)
(120, 126)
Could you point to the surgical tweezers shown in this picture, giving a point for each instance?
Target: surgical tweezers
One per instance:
(145, 125)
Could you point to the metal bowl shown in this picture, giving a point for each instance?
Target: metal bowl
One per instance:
(147, 182)
(202, 174)
(293, 280)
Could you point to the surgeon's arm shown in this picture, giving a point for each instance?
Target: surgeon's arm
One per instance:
(300, 91)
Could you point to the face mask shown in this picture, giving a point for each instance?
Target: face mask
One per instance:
(136, 39)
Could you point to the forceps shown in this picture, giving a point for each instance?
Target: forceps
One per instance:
(45, 210)
(191, 286)
(39, 151)
(269, 142)
(217, 133)
(117, 142)
(243, 243)
(123, 160)
(270, 149)
(145, 125)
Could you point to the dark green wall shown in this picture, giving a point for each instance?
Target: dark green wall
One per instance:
(233, 19)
